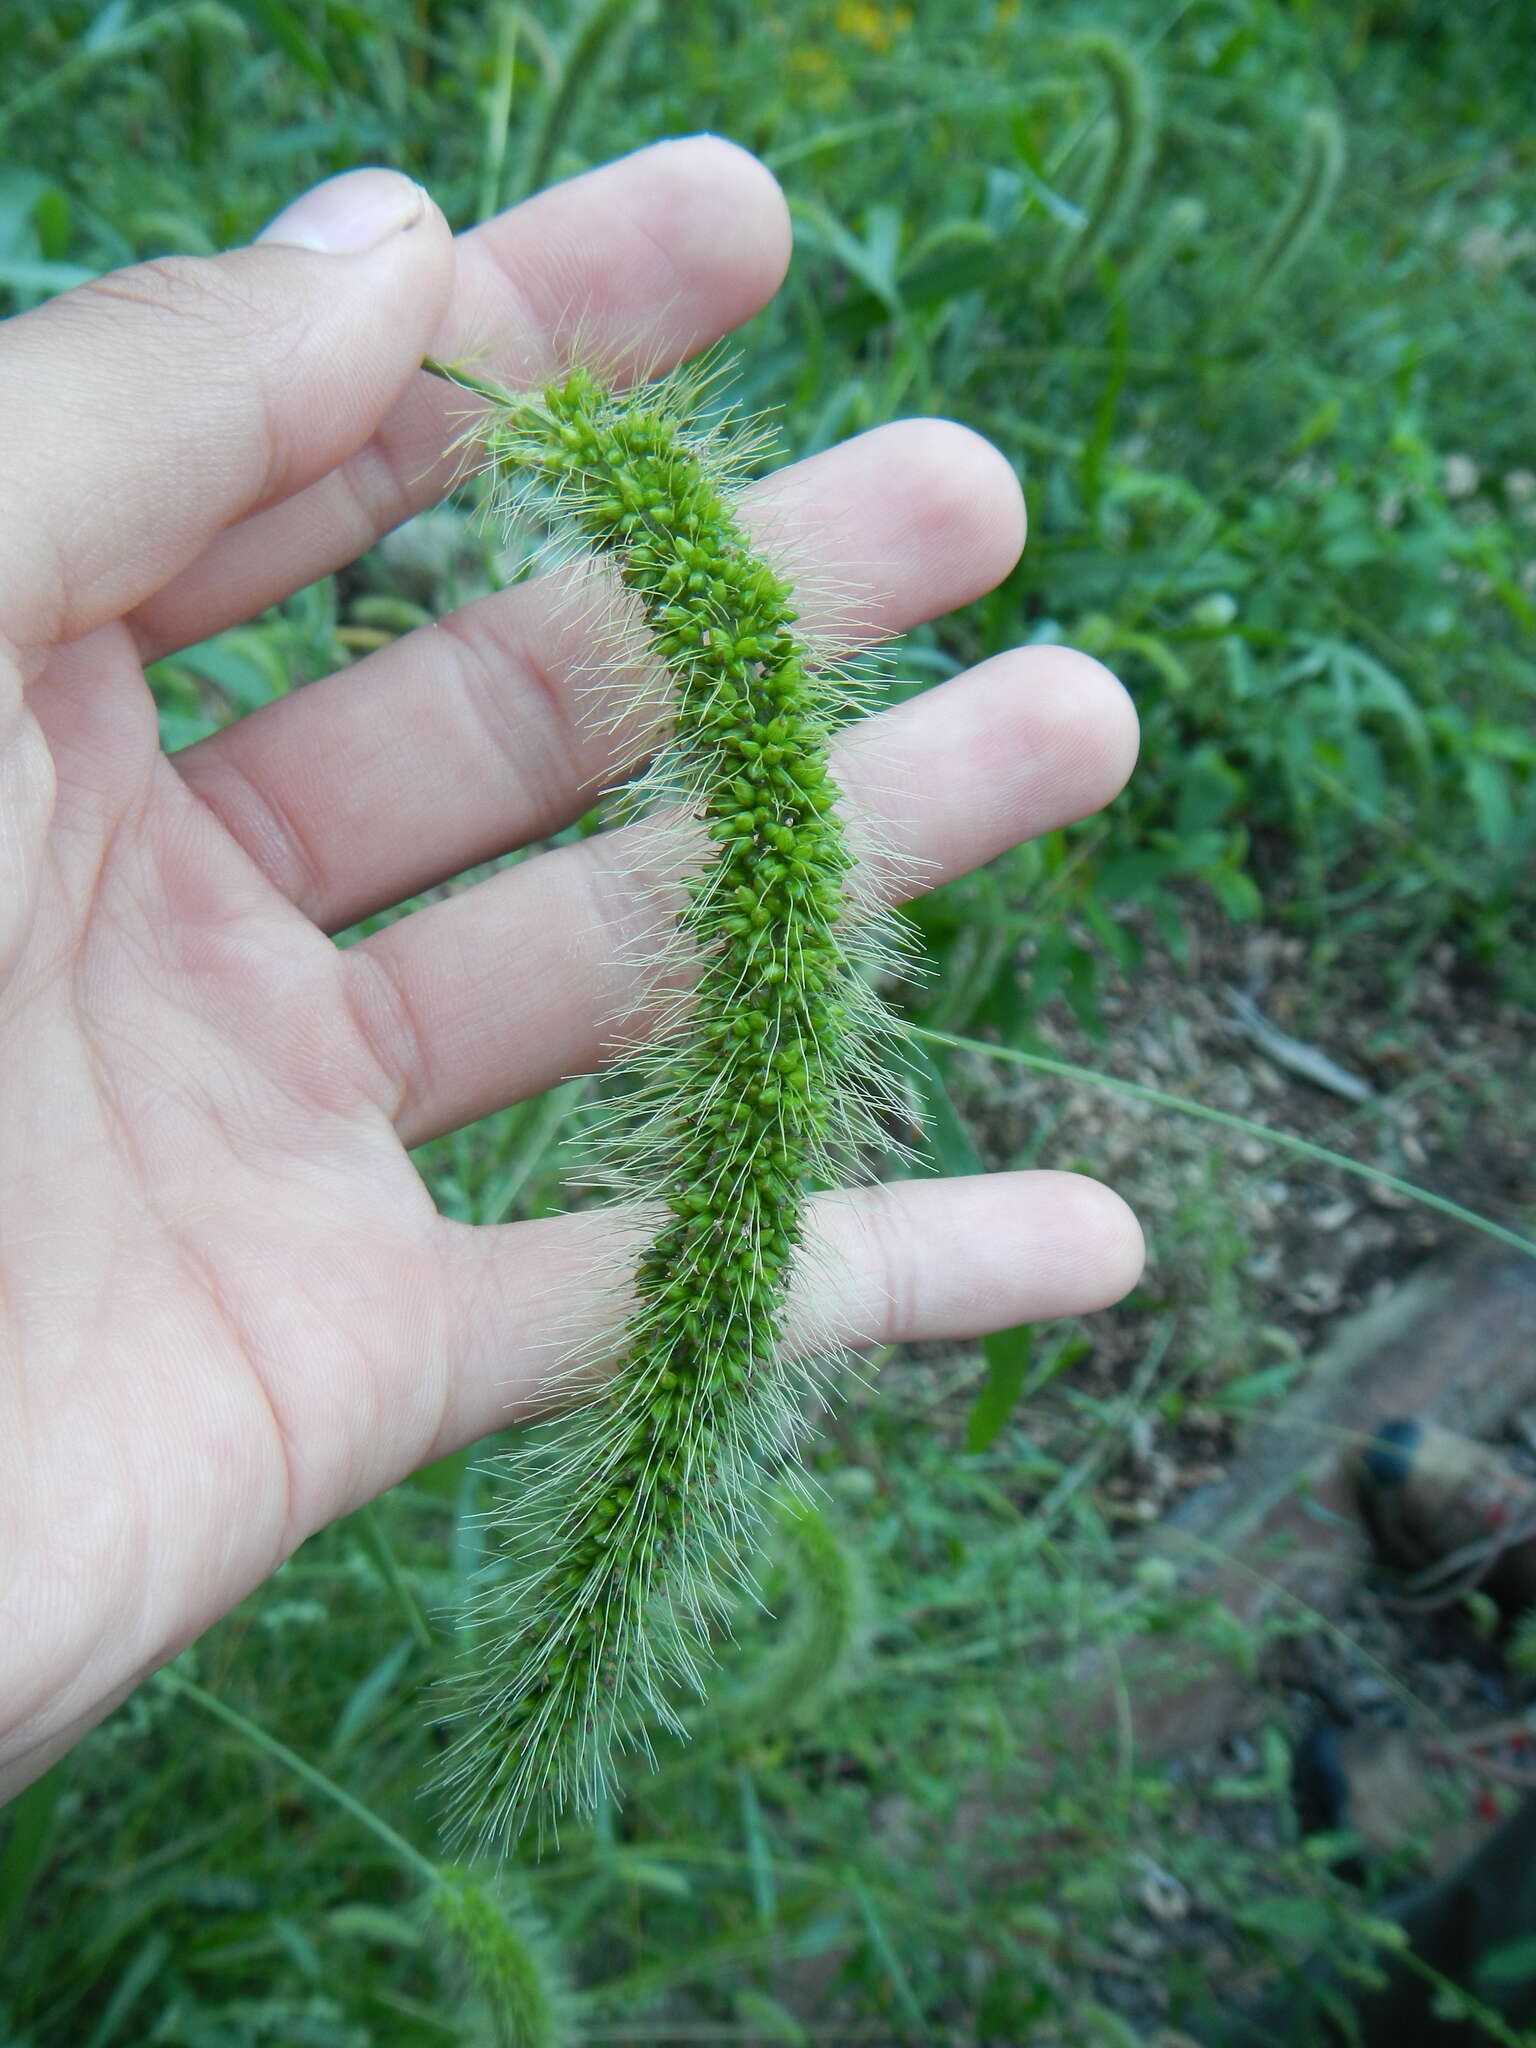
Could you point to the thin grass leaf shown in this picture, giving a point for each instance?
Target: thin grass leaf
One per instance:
(380, 1552)
(29, 1823)
(1111, 1084)
(580, 63)
(129, 1989)
(765, 1899)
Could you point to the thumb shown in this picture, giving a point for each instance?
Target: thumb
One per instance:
(142, 413)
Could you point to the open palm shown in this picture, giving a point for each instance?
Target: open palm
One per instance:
(228, 1309)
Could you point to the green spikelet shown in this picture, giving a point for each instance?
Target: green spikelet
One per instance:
(1133, 113)
(1319, 167)
(636, 1527)
(518, 1996)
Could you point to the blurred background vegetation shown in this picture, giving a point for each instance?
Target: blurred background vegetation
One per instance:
(1245, 290)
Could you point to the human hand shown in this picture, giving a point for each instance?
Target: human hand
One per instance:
(228, 1309)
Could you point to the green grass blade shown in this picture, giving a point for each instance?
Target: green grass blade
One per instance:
(30, 1821)
(1304, 1148)
(380, 1551)
(256, 1736)
(1007, 1353)
(597, 29)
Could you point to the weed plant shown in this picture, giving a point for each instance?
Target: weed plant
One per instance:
(637, 1522)
(1273, 420)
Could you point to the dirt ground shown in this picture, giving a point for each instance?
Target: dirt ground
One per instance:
(1258, 1252)
(1258, 1257)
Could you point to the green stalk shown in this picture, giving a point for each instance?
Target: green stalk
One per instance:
(1111, 1084)
(494, 1941)
(258, 1739)
(381, 1554)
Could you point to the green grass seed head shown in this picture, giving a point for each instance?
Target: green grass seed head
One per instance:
(1319, 167)
(518, 1996)
(1132, 150)
(636, 1527)
(820, 1647)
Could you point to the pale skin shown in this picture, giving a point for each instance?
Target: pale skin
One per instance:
(229, 1312)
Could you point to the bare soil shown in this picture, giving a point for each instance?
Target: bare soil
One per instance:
(1256, 1259)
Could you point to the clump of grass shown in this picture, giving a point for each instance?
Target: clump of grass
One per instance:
(637, 1527)
(495, 1944)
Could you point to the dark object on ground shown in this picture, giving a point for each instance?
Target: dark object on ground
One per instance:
(1391, 1786)
(1458, 1339)
(1320, 1781)
(1452, 1513)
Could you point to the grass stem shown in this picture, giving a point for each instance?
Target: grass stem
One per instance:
(1112, 1084)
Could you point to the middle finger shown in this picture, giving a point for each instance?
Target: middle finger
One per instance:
(542, 971)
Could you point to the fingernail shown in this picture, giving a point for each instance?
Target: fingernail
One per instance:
(349, 214)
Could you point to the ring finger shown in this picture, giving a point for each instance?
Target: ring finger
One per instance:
(1027, 741)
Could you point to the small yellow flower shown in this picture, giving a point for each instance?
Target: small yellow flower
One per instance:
(875, 27)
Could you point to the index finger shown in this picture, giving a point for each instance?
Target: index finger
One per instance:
(635, 267)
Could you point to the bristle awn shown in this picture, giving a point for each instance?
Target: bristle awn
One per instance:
(629, 1532)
